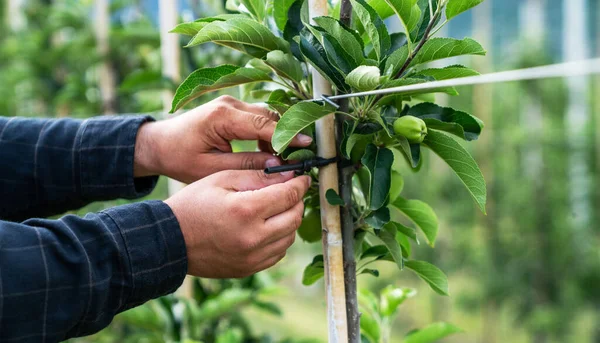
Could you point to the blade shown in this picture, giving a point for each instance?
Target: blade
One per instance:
(569, 69)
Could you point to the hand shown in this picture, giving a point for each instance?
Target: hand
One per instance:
(237, 223)
(197, 143)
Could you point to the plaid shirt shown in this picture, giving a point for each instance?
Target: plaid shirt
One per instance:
(69, 277)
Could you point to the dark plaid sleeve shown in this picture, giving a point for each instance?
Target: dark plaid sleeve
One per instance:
(51, 166)
(69, 277)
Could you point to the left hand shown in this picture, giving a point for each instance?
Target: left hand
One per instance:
(196, 144)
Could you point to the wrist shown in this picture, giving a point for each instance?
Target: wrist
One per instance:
(146, 156)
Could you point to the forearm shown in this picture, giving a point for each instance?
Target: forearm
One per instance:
(51, 166)
(70, 277)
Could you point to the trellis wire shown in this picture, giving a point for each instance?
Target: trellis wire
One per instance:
(569, 69)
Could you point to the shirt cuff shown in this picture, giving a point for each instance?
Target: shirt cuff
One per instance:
(106, 148)
(155, 248)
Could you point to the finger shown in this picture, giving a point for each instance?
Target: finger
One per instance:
(281, 197)
(251, 126)
(257, 109)
(249, 180)
(284, 224)
(216, 162)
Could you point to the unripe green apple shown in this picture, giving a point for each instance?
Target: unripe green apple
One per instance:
(310, 229)
(413, 128)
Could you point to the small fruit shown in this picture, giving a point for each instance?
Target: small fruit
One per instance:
(310, 229)
(413, 128)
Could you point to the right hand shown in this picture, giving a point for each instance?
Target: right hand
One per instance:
(237, 223)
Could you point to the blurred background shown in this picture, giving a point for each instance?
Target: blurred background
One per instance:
(529, 271)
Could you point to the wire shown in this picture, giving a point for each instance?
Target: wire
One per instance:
(569, 69)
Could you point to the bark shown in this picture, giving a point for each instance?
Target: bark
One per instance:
(345, 178)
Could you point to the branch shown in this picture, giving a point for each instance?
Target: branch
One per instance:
(420, 46)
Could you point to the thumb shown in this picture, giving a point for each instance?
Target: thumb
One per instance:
(246, 161)
(251, 180)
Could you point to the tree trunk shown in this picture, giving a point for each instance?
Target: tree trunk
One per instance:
(330, 215)
(106, 73)
(345, 175)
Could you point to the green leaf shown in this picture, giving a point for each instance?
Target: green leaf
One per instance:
(392, 297)
(421, 214)
(440, 48)
(315, 54)
(382, 8)
(373, 272)
(448, 119)
(240, 32)
(280, 101)
(432, 333)
(295, 120)
(406, 231)
(412, 152)
(207, 80)
(348, 39)
(405, 244)
(431, 274)
(336, 55)
(450, 72)
(408, 11)
(374, 27)
(396, 60)
(377, 251)
(417, 34)
(285, 65)
(364, 78)
(377, 219)
(298, 155)
(379, 163)
(192, 28)
(456, 7)
(314, 271)
(461, 162)
(370, 327)
(333, 198)
(294, 26)
(388, 237)
(256, 8)
(280, 12)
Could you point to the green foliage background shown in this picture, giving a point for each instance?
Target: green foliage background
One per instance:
(526, 272)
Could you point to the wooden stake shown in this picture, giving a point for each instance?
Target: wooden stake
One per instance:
(330, 215)
(171, 69)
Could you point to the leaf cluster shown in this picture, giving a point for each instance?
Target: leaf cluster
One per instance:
(283, 45)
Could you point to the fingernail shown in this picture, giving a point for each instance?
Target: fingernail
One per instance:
(287, 173)
(309, 181)
(273, 162)
(304, 139)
